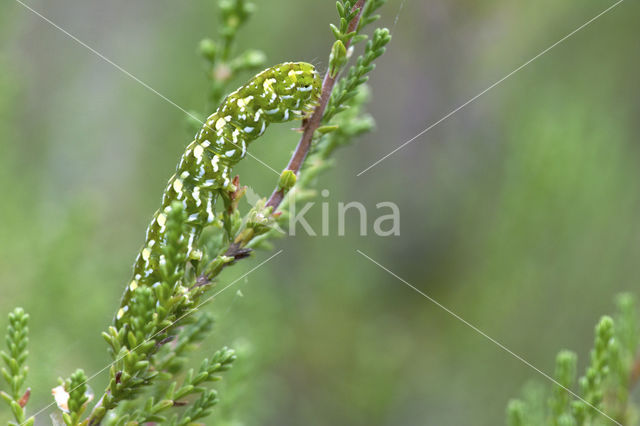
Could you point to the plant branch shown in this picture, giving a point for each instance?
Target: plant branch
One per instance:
(634, 377)
(311, 125)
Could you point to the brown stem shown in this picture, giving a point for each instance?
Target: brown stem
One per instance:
(634, 377)
(311, 125)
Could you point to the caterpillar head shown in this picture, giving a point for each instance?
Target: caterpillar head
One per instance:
(298, 85)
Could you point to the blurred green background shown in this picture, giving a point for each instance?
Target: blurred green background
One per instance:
(520, 213)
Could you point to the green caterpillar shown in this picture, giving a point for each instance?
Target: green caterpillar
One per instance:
(278, 94)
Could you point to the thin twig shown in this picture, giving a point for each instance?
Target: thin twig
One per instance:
(634, 376)
(312, 124)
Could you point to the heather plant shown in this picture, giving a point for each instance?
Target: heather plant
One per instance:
(160, 321)
(602, 395)
(15, 367)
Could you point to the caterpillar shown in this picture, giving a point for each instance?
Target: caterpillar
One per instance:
(278, 94)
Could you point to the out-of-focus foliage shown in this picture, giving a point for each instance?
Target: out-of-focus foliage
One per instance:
(603, 395)
(519, 212)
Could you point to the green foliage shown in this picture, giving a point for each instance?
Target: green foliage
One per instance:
(200, 409)
(347, 88)
(604, 387)
(338, 58)
(515, 413)
(369, 12)
(565, 374)
(76, 389)
(15, 370)
(143, 356)
(220, 66)
(348, 10)
(171, 360)
(593, 383)
(158, 408)
(234, 14)
(346, 33)
(350, 123)
(287, 180)
(15, 359)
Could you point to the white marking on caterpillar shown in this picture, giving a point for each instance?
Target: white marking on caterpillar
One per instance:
(196, 196)
(201, 171)
(210, 215)
(268, 84)
(146, 253)
(198, 150)
(177, 186)
(122, 311)
(190, 244)
(161, 219)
